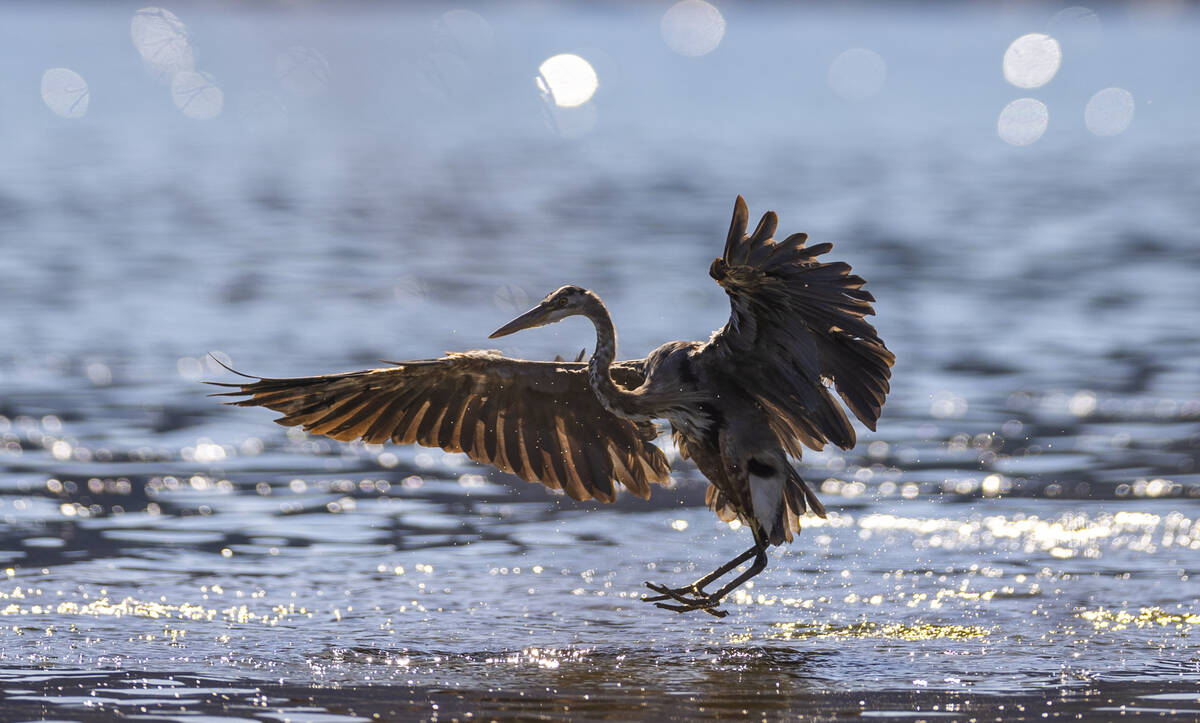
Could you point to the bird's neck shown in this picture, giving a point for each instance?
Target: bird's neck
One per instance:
(619, 401)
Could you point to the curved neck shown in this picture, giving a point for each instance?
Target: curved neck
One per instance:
(615, 399)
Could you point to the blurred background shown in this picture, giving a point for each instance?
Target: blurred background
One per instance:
(305, 187)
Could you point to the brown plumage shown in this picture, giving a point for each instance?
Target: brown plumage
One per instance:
(537, 420)
(760, 390)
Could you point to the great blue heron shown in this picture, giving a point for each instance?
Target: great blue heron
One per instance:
(739, 404)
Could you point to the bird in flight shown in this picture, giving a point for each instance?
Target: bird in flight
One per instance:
(739, 404)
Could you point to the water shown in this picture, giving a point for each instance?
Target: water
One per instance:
(1025, 518)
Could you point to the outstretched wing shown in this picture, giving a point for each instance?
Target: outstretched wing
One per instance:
(539, 420)
(797, 326)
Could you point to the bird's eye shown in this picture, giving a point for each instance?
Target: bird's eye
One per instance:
(562, 302)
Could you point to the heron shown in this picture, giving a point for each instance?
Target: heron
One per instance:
(740, 405)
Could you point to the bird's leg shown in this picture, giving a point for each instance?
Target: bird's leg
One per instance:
(708, 603)
(696, 589)
(692, 597)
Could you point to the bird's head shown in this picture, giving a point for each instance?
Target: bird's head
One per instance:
(563, 302)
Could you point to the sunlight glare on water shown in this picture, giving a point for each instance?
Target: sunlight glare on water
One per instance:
(1032, 60)
(692, 28)
(869, 630)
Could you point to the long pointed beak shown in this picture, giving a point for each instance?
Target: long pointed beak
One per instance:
(534, 317)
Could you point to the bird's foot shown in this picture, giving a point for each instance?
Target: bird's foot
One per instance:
(687, 593)
(708, 605)
(689, 597)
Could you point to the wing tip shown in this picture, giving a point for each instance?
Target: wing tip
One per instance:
(737, 226)
(765, 229)
(228, 368)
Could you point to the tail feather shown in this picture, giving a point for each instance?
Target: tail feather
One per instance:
(718, 503)
(805, 498)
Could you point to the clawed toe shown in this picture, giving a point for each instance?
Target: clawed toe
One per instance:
(684, 594)
(692, 597)
(689, 598)
(707, 605)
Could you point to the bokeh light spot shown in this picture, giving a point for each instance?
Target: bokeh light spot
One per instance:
(190, 368)
(1032, 60)
(1109, 112)
(65, 92)
(692, 28)
(568, 79)
(1023, 121)
(196, 95)
(161, 38)
(467, 32)
(302, 71)
(1077, 28)
(857, 74)
(511, 298)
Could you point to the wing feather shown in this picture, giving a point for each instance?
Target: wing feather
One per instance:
(357, 424)
(439, 400)
(509, 444)
(452, 419)
(797, 326)
(571, 466)
(507, 425)
(596, 459)
(386, 424)
(412, 416)
(538, 420)
(466, 425)
(489, 427)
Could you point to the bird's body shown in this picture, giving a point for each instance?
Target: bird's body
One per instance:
(738, 404)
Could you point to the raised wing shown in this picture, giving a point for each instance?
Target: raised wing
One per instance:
(797, 326)
(538, 420)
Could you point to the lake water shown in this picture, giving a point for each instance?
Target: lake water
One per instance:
(1020, 539)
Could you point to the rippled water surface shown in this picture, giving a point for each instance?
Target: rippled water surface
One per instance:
(1019, 539)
